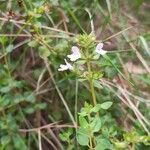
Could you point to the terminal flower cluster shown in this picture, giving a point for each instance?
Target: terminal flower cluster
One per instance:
(75, 55)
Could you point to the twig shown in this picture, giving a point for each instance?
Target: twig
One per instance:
(44, 137)
(47, 126)
(39, 138)
(29, 24)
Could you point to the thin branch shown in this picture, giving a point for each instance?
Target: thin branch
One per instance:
(47, 126)
(39, 138)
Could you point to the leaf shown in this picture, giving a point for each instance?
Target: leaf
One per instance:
(82, 79)
(43, 52)
(109, 6)
(33, 43)
(65, 135)
(30, 97)
(9, 48)
(5, 89)
(38, 3)
(120, 145)
(145, 45)
(5, 140)
(4, 101)
(97, 84)
(10, 85)
(83, 122)
(103, 144)
(29, 110)
(106, 105)
(40, 106)
(19, 143)
(96, 108)
(81, 62)
(82, 137)
(96, 56)
(96, 124)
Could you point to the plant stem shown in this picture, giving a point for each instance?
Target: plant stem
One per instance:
(76, 101)
(133, 146)
(91, 83)
(91, 147)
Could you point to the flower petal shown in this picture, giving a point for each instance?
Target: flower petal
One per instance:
(73, 57)
(70, 67)
(75, 54)
(75, 50)
(99, 49)
(63, 68)
(102, 52)
(99, 46)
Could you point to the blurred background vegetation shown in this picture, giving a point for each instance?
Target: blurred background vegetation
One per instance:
(35, 37)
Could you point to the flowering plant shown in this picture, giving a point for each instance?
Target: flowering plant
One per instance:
(78, 54)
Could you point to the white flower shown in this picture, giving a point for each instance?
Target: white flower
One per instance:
(75, 54)
(65, 67)
(99, 49)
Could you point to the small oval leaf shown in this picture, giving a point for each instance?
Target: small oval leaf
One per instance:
(106, 105)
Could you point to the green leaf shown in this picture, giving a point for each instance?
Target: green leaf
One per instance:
(19, 143)
(4, 101)
(5, 140)
(83, 122)
(29, 110)
(5, 89)
(96, 124)
(145, 45)
(40, 106)
(96, 56)
(10, 85)
(82, 137)
(120, 145)
(96, 108)
(103, 144)
(82, 79)
(81, 62)
(109, 6)
(38, 3)
(9, 48)
(43, 52)
(106, 105)
(30, 97)
(33, 43)
(97, 84)
(63, 137)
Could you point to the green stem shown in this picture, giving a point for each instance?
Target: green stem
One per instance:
(133, 146)
(6, 59)
(91, 84)
(91, 146)
(76, 102)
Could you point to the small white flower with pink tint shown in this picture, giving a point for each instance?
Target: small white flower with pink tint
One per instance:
(67, 66)
(75, 54)
(99, 49)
